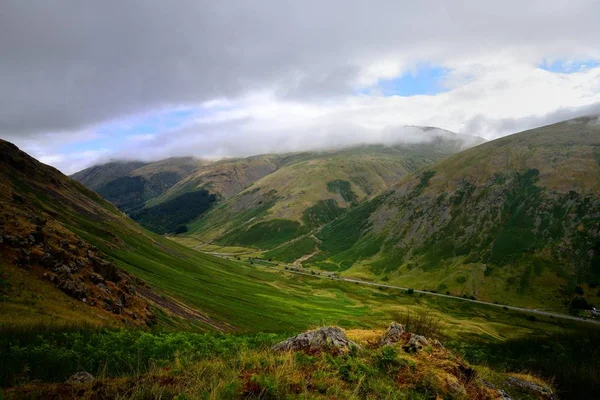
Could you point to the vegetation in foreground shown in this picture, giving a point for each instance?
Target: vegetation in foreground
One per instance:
(143, 365)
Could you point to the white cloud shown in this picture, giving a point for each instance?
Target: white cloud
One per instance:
(277, 74)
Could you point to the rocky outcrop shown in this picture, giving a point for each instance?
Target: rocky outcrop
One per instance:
(330, 339)
(392, 335)
(78, 269)
(502, 395)
(80, 377)
(415, 343)
(411, 342)
(544, 391)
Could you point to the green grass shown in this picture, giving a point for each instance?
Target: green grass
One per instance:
(343, 188)
(321, 213)
(570, 359)
(266, 234)
(54, 355)
(292, 251)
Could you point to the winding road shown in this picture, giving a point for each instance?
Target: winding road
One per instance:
(326, 275)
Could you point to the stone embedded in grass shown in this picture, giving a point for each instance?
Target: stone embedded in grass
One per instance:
(81, 377)
(544, 391)
(329, 339)
(415, 343)
(392, 335)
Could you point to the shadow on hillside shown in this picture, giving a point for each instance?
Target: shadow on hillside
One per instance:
(571, 360)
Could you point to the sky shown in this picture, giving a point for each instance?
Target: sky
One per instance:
(84, 81)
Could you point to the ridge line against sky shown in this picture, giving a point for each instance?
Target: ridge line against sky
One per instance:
(85, 82)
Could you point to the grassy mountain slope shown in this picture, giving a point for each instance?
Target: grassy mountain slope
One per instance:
(99, 175)
(225, 178)
(129, 185)
(514, 220)
(70, 257)
(313, 190)
(120, 269)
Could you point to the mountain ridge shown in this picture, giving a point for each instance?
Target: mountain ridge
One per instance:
(512, 218)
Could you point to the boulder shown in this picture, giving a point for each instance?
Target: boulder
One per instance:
(62, 269)
(96, 278)
(502, 395)
(37, 237)
(71, 287)
(539, 390)
(329, 339)
(415, 343)
(81, 377)
(392, 335)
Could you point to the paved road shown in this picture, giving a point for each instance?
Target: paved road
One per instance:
(325, 275)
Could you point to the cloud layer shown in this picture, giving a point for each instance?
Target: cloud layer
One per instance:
(265, 74)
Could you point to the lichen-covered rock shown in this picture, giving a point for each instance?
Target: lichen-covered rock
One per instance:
(502, 395)
(72, 287)
(329, 339)
(392, 335)
(415, 343)
(81, 377)
(544, 391)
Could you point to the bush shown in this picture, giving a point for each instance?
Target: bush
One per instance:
(53, 356)
(579, 303)
(410, 291)
(423, 323)
(387, 359)
(579, 290)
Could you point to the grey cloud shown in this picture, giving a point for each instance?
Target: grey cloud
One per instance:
(68, 64)
(496, 127)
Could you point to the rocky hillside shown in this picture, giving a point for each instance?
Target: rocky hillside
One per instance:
(511, 220)
(63, 252)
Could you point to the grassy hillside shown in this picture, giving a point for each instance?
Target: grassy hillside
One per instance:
(515, 220)
(311, 191)
(99, 175)
(71, 262)
(129, 185)
(119, 268)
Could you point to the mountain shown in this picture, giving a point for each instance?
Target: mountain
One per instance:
(166, 196)
(515, 220)
(129, 184)
(311, 189)
(69, 257)
(71, 262)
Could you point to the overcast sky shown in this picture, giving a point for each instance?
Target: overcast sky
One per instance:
(85, 81)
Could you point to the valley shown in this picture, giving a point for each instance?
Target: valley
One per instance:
(89, 267)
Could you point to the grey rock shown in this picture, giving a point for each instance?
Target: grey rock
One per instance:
(415, 343)
(96, 278)
(392, 335)
(73, 288)
(329, 339)
(62, 269)
(81, 377)
(544, 391)
(104, 288)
